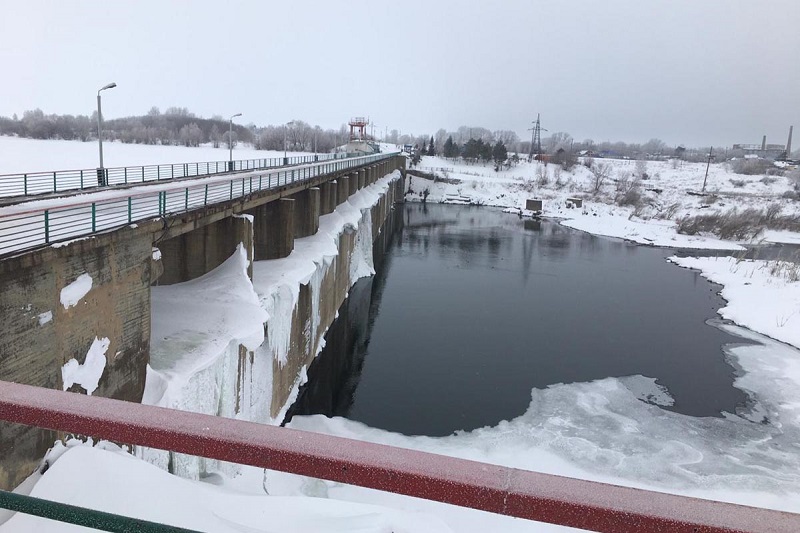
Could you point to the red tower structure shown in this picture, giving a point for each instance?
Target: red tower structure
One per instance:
(358, 128)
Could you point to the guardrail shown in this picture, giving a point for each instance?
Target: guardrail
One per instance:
(487, 487)
(28, 225)
(31, 183)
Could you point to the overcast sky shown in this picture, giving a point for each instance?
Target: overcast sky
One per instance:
(697, 72)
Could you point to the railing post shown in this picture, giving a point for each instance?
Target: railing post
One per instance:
(81, 179)
(25, 184)
(231, 195)
(172, 171)
(205, 197)
(158, 172)
(94, 217)
(47, 226)
(130, 210)
(126, 175)
(186, 199)
(55, 184)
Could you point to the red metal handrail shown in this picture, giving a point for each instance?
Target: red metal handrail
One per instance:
(509, 491)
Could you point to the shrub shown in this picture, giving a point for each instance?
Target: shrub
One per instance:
(739, 225)
(738, 183)
(541, 176)
(766, 180)
(750, 167)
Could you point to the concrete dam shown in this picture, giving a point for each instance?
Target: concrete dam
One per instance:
(102, 314)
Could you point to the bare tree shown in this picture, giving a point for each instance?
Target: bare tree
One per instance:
(600, 173)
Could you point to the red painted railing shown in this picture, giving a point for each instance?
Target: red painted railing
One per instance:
(530, 495)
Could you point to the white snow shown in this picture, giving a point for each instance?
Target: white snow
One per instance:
(75, 291)
(17, 154)
(45, 317)
(156, 254)
(114, 482)
(88, 374)
(763, 296)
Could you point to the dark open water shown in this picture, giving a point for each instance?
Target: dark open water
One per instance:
(471, 308)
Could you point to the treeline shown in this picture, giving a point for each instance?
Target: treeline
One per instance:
(466, 139)
(175, 126)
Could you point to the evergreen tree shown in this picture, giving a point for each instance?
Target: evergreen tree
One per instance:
(450, 148)
(499, 153)
(431, 149)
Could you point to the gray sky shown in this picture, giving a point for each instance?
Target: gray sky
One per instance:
(697, 72)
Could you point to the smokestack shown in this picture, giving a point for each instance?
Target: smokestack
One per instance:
(764, 143)
(789, 144)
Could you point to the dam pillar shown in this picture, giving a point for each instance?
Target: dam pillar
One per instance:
(89, 298)
(326, 190)
(353, 183)
(273, 229)
(306, 212)
(362, 181)
(343, 184)
(198, 252)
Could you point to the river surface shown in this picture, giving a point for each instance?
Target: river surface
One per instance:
(472, 308)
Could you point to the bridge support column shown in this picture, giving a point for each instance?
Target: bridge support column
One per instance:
(343, 189)
(327, 197)
(361, 181)
(306, 212)
(198, 252)
(399, 191)
(353, 183)
(274, 229)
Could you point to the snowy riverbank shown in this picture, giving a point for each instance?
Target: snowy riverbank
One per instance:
(610, 430)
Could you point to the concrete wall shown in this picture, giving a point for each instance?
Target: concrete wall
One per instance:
(34, 347)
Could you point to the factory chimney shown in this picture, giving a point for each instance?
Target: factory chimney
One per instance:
(789, 144)
(764, 143)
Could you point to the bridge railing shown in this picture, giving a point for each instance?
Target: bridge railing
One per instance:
(26, 226)
(497, 489)
(32, 183)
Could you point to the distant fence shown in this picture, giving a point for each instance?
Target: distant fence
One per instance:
(31, 183)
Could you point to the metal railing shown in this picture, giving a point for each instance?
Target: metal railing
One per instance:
(33, 183)
(497, 489)
(26, 226)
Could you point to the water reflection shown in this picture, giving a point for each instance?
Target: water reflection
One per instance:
(472, 308)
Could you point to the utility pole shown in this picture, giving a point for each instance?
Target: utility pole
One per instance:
(536, 138)
(710, 152)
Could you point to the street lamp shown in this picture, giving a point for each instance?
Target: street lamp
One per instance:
(230, 140)
(101, 173)
(285, 158)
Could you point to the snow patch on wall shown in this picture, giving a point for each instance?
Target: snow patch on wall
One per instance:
(72, 293)
(88, 374)
(45, 317)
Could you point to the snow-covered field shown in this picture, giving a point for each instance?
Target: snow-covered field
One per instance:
(608, 430)
(32, 155)
(665, 196)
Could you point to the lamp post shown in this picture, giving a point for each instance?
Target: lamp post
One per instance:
(315, 143)
(101, 173)
(230, 140)
(285, 130)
